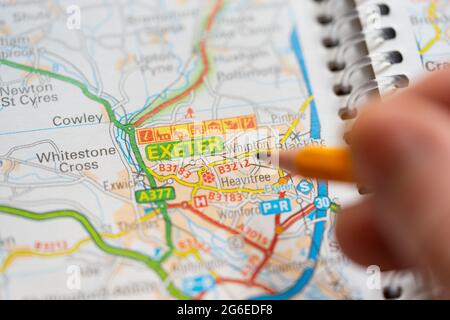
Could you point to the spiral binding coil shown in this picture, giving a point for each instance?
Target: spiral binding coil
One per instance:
(347, 23)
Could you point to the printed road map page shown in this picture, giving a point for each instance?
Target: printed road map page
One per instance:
(431, 24)
(128, 140)
(423, 37)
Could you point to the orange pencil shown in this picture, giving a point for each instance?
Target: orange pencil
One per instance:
(316, 162)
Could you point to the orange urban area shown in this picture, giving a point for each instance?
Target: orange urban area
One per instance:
(196, 129)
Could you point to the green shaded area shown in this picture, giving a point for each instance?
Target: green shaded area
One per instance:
(98, 240)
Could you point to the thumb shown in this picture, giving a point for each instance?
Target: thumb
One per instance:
(402, 152)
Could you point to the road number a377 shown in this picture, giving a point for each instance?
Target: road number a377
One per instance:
(155, 195)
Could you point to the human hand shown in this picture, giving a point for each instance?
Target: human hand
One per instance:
(401, 150)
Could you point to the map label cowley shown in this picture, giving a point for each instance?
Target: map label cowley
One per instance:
(185, 149)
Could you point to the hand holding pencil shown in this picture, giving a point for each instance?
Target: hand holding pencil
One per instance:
(400, 150)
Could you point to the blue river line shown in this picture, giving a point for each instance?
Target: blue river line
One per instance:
(319, 227)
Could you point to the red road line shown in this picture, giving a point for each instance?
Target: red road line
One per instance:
(221, 280)
(297, 216)
(186, 205)
(199, 81)
(245, 283)
(269, 252)
(286, 224)
(200, 295)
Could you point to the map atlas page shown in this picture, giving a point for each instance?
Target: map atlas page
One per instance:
(431, 25)
(129, 134)
(423, 36)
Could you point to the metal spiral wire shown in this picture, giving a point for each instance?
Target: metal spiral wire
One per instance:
(349, 27)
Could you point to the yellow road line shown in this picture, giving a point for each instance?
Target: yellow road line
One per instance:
(30, 253)
(199, 185)
(297, 119)
(294, 125)
(432, 16)
(194, 252)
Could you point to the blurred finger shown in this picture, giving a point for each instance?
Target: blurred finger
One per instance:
(435, 87)
(402, 151)
(361, 240)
